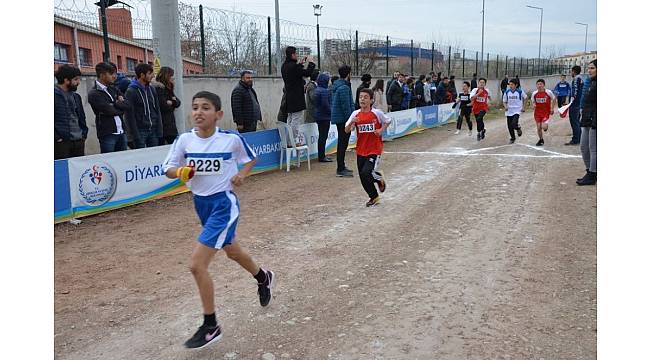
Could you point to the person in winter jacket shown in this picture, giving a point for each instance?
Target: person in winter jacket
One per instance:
(418, 92)
(323, 113)
(293, 73)
(577, 86)
(441, 91)
(474, 82)
(168, 103)
(246, 110)
(342, 107)
(310, 97)
(70, 130)
(366, 79)
(395, 94)
(428, 100)
(143, 116)
(108, 104)
(588, 123)
(452, 93)
(562, 90)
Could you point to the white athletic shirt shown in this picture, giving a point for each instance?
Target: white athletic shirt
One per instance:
(215, 159)
(515, 100)
(474, 90)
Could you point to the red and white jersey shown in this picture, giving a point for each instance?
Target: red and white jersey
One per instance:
(543, 100)
(369, 143)
(481, 101)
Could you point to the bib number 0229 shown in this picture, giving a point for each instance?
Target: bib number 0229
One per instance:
(205, 166)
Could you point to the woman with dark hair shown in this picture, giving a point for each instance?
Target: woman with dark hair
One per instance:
(378, 95)
(588, 125)
(168, 103)
(407, 88)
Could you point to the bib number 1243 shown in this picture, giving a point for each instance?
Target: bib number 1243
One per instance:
(205, 166)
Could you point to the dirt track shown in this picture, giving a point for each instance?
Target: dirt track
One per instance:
(469, 256)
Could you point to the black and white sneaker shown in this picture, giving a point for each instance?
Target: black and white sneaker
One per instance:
(512, 141)
(540, 142)
(519, 131)
(204, 336)
(265, 289)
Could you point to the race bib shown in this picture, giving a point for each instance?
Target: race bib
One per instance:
(481, 99)
(206, 166)
(366, 128)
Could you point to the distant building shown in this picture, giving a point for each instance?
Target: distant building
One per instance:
(303, 51)
(581, 58)
(336, 46)
(83, 45)
(374, 43)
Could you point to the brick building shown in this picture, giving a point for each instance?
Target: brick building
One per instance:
(82, 45)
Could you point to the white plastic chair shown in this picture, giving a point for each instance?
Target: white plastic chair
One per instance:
(310, 131)
(289, 148)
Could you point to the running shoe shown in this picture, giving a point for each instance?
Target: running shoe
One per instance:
(469, 132)
(382, 183)
(204, 336)
(483, 134)
(540, 142)
(457, 132)
(512, 141)
(372, 202)
(478, 136)
(265, 289)
(519, 131)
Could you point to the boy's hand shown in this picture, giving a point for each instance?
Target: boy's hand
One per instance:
(185, 173)
(379, 131)
(237, 180)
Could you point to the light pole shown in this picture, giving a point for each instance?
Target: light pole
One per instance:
(541, 18)
(482, 35)
(317, 13)
(586, 28)
(278, 50)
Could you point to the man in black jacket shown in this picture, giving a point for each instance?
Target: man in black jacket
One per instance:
(70, 130)
(474, 82)
(109, 105)
(366, 79)
(143, 115)
(293, 73)
(441, 91)
(419, 91)
(395, 94)
(246, 111)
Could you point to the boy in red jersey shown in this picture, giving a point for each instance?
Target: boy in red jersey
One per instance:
(480, 97)
(543, 102)
(369, 124)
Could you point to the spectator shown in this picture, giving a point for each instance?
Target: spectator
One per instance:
(122, 82)
(504, 85)
(419, 92)
(438, 78)
(441, 91)
(365, 84)
(378, 95)
(108, 104)
(395, 94)
(168, 102)
(390, 82)
(246, 111)
(473, 82)
(70, 130)
(310, 97)
(588, 123)
(427, 91)
(407, 89)
(293, 73)
(342, 107)
(143, 116)
(518, 81)
(333, 80)
(562, 90)
(577, 86)
(452, 93)
(323, 105)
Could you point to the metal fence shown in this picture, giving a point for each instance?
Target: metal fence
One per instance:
(226, 42)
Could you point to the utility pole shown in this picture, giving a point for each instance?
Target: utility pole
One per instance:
(541, 19)
(278, 50)
(167, 47)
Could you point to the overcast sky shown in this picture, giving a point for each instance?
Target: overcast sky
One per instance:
(510, 27)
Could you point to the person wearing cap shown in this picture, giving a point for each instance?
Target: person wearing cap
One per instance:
(365, 84)
(246, 111)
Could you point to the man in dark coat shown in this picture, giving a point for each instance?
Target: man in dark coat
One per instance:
(70, 130)
(419, 92)
(293, 73)
(246, 110)
(441, 91)
(395, 94)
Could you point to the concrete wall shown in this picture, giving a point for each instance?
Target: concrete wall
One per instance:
(269, 92)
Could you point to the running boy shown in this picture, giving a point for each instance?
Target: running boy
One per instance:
(465, 110)
(543, 101)
(206, 159)
(514, 102)
(369, 124)
(480, 97)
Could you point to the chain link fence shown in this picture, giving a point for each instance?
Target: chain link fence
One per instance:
(226, 42)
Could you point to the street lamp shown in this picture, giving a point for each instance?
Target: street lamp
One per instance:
(482, 36)
(586, 28)
(539, 53)
(317, 13)
(103, 5)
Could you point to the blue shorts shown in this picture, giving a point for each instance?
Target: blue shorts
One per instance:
(219, 214)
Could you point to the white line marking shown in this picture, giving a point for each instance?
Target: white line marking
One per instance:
(563, 156)
(544, 150)
(487, 148)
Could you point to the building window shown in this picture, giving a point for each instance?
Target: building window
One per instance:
(119, 62)
(61, 53)
(130, 64)
(85, 58)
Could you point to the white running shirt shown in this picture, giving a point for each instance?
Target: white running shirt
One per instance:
(215, 159)
(515, 100)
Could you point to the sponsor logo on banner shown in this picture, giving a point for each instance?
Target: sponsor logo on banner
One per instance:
(429, 115)
(403, 121)
(97, 184)
(445, 112)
